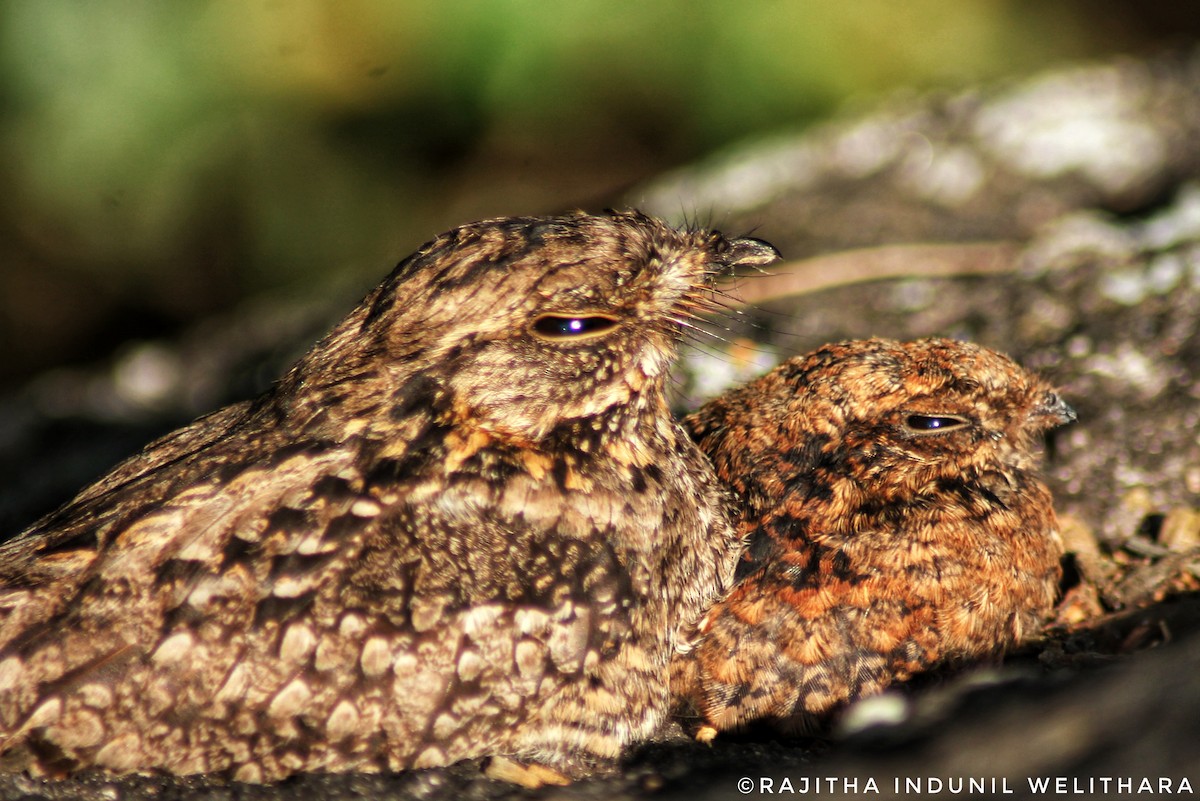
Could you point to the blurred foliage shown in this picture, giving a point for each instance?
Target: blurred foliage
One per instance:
(164, 159)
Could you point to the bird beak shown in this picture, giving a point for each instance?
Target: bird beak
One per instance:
(1055, 410)
(750, 252)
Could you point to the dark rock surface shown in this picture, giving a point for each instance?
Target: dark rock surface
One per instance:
(1057, 219)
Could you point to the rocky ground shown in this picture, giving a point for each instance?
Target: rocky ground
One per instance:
(1056, 219)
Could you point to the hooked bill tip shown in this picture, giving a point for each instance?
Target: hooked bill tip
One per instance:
(1057, 409)
(751, 252)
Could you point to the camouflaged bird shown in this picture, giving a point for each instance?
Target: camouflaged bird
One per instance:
(895, 519)
(463, 524)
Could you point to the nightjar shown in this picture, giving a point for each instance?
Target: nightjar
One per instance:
(895, 521)
(463, 524)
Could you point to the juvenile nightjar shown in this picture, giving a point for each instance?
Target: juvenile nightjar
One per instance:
(895, 521)
(464, 524)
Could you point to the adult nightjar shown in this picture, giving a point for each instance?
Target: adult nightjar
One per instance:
(895, 520)
(463, 524)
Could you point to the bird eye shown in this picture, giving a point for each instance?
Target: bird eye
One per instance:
(566, 328)
(933, 423)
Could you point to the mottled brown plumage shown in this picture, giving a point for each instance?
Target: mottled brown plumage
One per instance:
(895, 521)
(463, 524)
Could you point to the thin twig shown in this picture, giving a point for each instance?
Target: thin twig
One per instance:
(805, 276)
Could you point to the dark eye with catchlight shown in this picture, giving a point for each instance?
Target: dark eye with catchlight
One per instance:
(568, 327)
(933, 423)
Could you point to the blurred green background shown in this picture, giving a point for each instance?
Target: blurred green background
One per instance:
(164, 160)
